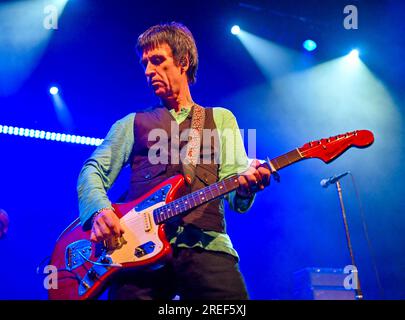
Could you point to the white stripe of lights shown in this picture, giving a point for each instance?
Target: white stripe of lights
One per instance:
(53, 136)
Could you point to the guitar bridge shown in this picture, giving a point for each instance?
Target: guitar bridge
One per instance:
(76, 254)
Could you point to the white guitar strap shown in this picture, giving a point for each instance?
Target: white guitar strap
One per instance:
(194, 143)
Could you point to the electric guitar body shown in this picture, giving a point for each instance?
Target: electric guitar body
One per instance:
(84, 267)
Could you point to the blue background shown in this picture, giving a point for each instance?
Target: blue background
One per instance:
(292, 225)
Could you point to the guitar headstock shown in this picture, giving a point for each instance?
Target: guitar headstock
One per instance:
(332, 147)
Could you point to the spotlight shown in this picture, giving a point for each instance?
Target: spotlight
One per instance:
(53, 90)
(354, 54)
(309, 45)
(235, 30)
(353, 57)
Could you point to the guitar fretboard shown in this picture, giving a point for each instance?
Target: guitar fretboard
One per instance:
(195, 199)
(286, 159)
(215, 190)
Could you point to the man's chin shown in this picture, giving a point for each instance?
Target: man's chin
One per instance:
(160, 93)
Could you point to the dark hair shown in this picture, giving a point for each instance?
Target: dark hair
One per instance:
(179, 39)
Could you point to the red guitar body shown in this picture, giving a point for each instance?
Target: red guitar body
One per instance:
(80, 279)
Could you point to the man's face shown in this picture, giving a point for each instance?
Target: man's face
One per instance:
(161, 71)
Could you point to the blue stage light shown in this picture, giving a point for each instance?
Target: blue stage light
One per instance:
(309, 45)
(53, 90)
(52, 136)
(354, 54)
(235, 30)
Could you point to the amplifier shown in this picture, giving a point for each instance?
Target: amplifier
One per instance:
(321, 284)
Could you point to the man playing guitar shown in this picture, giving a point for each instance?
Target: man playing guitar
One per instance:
(204, 264)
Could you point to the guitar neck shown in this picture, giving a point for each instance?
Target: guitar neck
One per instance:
(216, 190)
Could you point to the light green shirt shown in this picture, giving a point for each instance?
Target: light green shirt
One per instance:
(101, 170)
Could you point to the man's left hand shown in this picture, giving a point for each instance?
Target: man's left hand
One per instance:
(255, 179)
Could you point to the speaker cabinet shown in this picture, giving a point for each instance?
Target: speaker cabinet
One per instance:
(321, 284)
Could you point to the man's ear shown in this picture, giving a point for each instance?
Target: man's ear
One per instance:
(184, 63)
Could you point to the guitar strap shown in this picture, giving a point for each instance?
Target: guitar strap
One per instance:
(192, 155)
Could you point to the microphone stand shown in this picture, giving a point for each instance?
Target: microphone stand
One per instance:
(359, 293)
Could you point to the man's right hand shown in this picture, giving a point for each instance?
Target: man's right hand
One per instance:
(106, 225)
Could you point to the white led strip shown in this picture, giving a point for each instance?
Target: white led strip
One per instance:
(53, 136)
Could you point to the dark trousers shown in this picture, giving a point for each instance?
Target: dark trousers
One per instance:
(190, 273)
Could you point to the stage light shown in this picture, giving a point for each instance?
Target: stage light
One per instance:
(27, 28)
(309, 45)
(282, 62)
(235, 30)
(352, 58)
(51, 136)
(354, 54)
(53, 90)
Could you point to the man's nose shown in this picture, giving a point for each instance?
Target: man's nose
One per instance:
(149, 70)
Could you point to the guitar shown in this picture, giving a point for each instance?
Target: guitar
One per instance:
(85, 268)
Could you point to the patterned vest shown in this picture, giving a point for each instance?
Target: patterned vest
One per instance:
(145, 176)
